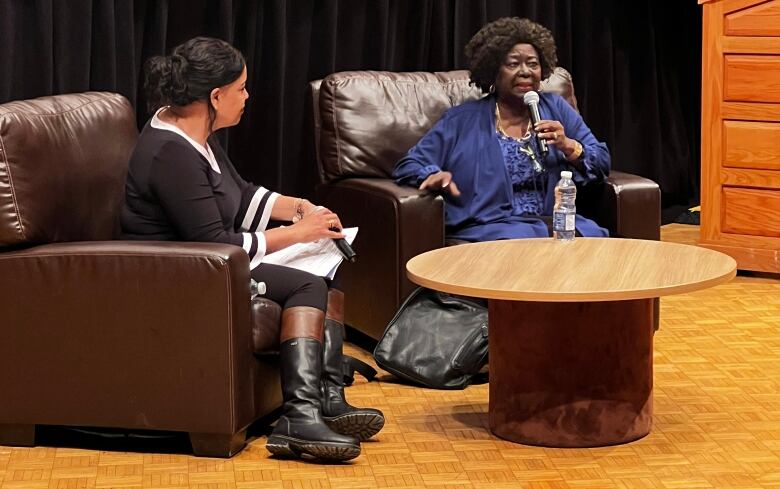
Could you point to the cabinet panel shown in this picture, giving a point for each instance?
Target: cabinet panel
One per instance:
(746, 111)
(757, 20)
(751, 45)
(753, 78)
(752, 212)
(742, 177)
(748, 144)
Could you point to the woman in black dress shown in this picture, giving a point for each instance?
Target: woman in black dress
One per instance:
(182, 186)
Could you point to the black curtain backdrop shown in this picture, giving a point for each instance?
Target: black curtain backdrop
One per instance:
(636, 65)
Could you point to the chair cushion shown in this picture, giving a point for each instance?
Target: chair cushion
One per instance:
(63, 161)
(369, 119)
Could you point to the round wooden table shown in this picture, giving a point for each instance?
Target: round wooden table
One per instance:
(571, 328)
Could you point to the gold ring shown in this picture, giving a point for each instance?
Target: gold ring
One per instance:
(331, 223)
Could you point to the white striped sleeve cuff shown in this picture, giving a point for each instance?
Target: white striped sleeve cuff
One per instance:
(255, 246)
(259, 211)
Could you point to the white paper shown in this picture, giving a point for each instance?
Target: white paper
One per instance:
(319, 257)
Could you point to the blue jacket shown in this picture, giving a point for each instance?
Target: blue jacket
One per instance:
(464, 142)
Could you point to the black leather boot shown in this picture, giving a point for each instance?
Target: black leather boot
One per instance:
(337, 412)
(301, 432)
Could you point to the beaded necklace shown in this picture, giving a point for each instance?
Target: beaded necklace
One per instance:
(523, 141)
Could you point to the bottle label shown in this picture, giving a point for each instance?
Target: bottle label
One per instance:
(563, 221)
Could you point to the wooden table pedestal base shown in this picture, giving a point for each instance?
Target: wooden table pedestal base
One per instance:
(571, 374)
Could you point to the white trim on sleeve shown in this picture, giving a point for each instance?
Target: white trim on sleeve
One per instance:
(253, 209)
(255, 246)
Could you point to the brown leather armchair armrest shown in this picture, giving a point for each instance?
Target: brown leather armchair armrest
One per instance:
(396, 223)
(160, 332)
(629, 206)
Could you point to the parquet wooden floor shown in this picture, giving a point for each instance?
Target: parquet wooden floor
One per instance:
(716, 424)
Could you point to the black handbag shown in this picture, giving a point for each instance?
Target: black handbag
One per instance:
(435, 340)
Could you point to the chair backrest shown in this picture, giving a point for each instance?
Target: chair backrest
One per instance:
(365, 121)
(63, 162)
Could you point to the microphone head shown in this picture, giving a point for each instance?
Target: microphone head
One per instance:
(531, 98)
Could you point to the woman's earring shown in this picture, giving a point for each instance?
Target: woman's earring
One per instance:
(492, 89)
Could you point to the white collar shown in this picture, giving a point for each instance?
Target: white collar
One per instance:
(157, 123)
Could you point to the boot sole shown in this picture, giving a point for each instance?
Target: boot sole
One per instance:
(286, 447)
(361, 426)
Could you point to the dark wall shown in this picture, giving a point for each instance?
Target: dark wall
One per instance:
(636, 65)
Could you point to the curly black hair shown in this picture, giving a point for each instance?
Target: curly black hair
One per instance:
(487, 49)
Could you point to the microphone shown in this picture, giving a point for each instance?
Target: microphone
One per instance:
(531, 99)
(344, 248)
(341, 244)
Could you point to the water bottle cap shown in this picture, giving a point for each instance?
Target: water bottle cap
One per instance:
(565, 174)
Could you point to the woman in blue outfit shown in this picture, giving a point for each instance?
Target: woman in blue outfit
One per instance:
(483, 155)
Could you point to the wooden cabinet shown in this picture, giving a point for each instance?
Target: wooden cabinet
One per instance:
(740, 154)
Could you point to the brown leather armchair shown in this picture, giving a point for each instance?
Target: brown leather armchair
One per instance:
(364, 121)
(105, 333)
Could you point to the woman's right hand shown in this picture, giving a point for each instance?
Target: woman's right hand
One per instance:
(317, 225)
(440, 182)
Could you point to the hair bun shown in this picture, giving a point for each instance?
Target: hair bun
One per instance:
(177, 60)
(157, 81)
(178, 81)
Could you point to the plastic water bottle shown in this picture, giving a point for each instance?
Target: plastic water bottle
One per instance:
(256, 288)
(565, 209)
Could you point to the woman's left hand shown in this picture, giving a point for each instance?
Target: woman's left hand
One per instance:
(308, 208)
(552, 132)
(334, 223)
